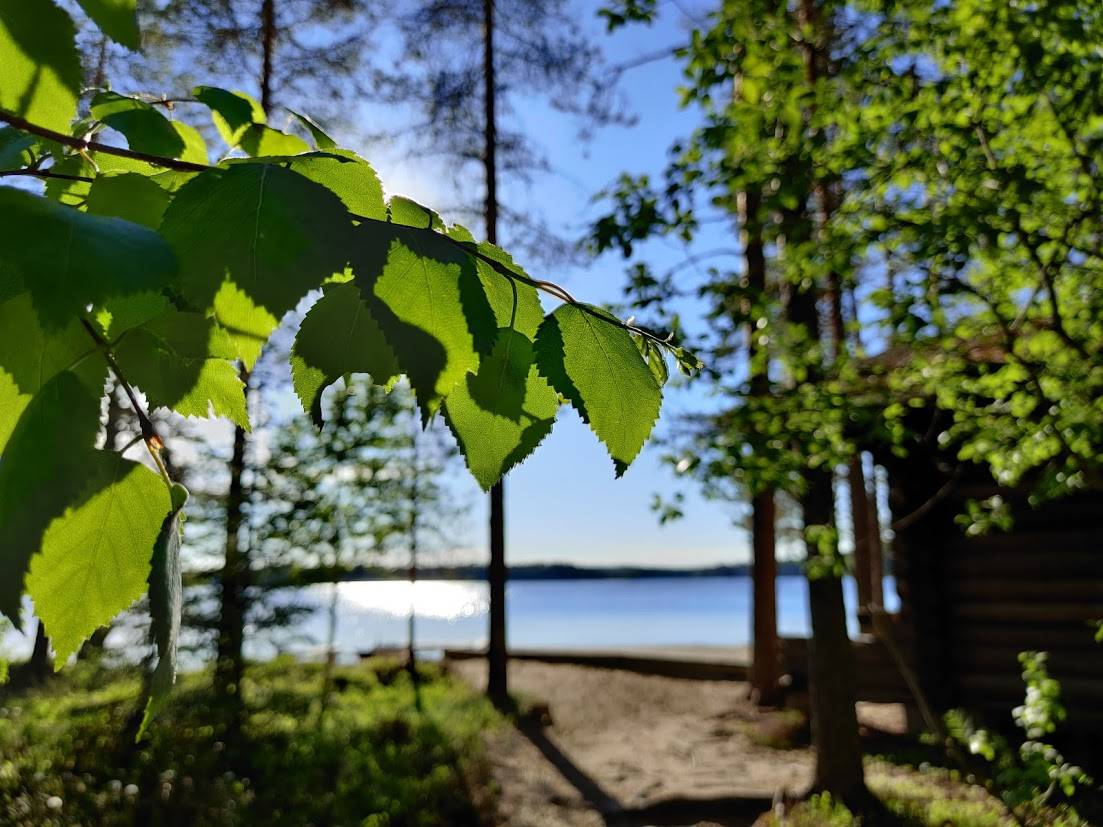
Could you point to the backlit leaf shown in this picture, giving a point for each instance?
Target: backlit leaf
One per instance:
(337, 337)
(118, 19)
(252, 240)
(129, 196)
(232, 112)
(146, 129)
(40, 73)
(180, 361)
(420, 299)
(43, 471)
(596, 365)
(69, 259)
(95, 557)
(166, 592)
(260, 140)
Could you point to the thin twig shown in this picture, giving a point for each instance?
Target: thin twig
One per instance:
(44, 174)
(85, 145)
(149, 432)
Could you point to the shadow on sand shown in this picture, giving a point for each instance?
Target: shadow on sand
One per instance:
(730, 811)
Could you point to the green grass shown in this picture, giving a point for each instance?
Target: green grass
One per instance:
(375, 759)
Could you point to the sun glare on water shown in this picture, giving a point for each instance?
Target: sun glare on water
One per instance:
(438, 599)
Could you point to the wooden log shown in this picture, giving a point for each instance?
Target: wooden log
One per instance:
(1007, 588)
(1046, 613)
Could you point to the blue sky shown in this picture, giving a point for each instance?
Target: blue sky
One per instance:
(564, 504)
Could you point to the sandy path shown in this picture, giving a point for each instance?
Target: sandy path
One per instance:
(631, 740)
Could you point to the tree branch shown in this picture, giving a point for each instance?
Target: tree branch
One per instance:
(187, 166)
(44, 174)
(83, 144)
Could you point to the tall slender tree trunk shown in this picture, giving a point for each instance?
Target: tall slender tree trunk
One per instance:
(497, 652)
(765, 658)
(415, 491)
(268, 44)
(230, 666)
(38, 668)
(831, 656)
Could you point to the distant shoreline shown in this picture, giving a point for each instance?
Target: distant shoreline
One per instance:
(291, 576)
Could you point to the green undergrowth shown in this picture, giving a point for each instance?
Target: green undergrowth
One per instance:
(926, 797)
(379, 756)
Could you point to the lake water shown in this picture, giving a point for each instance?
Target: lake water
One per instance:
(706, 611)
(607, 613)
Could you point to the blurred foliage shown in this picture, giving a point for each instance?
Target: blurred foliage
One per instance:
(1031, 776)
(375, 760)
(941, 167)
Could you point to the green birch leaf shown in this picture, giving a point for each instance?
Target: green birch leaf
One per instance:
(514, 302)
(145, 129)
(321, 139)
(166, 592)
(596, 365)
(15, 148)
(95, 557)
(347, 176)
(411, 214)
(179, 360)
(69, 259)
(421, 297)
(231, 112)
(259, 140)
(118, 19)
(43, 470)
(247, 325)
(253, 239)
(40, 74)
(75, 193)
(130, 196)
(501, 414)
(655, 358)
(195, 148)
(31, 356)
(116, 316)
(338, 337)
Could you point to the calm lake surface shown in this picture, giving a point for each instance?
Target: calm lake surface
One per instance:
(594, 614)
(706, 611)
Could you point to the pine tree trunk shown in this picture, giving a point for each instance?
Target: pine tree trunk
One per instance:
(766, 655)
(230, 666)
(497, 653)
(862, 521)
(831, 667)
(39, 668)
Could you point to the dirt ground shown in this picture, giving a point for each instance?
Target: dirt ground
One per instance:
(621, 741)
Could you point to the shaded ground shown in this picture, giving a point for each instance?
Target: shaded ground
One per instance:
(643, 743)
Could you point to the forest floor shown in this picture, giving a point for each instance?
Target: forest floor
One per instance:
(618, 748)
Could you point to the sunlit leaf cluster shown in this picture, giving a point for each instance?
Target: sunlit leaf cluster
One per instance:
(132, 249)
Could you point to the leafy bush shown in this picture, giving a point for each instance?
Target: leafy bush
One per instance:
(373, 758)
(1027, 778)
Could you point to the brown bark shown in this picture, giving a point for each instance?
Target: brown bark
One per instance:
(831, 657)
(831, 668)
(497, 680)
(863, 544)
(234, 581)
(268, 44)
(497, 650)
(766, 654)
